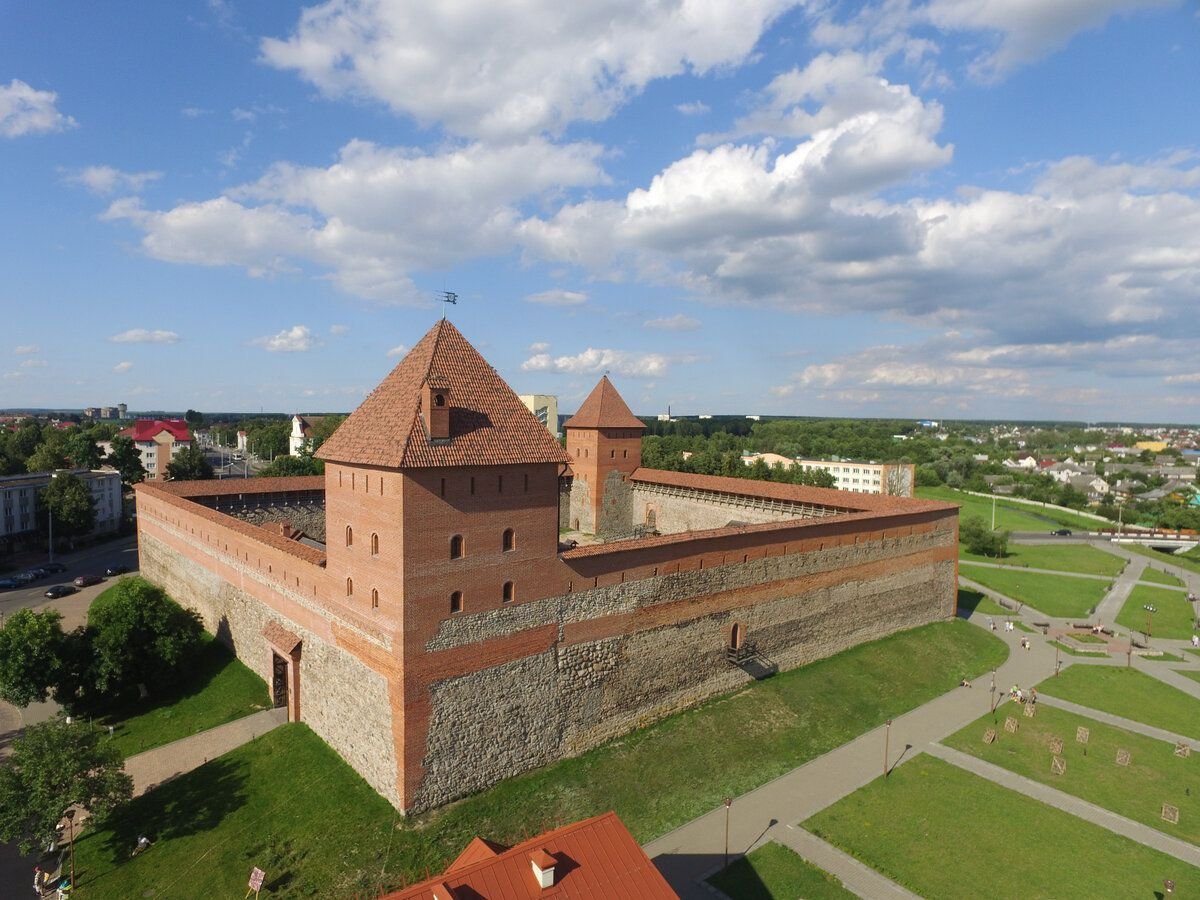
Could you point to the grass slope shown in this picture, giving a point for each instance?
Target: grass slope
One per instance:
(1055, 595)
(1009, 515)
(943, 832)
(1081, 558)
(1154, 776)
(1157, 577)
(970, 601)
(775, 872)
(219, 689)
(723, 748)
(1127, 693)
(1173, 618)
(1189, 560)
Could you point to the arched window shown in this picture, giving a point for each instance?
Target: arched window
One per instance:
(349, 536)
(349, 587)
(509, 540)
(456, 602)
(456, 547)
(374, 545)
(374, 599)
(439, 399)
(507, 596)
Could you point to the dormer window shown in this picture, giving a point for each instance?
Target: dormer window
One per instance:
(439, 399)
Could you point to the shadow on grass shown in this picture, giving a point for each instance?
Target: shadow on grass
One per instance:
(738, 881)
(188, 805)
(968, 600)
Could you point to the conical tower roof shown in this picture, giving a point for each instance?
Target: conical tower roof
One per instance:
(489, 426)
(604, 408)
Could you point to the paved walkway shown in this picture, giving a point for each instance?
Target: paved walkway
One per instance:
(1045, 699)
(1111, 605)
(153, 767)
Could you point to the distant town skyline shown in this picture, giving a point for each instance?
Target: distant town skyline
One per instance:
(950, 209)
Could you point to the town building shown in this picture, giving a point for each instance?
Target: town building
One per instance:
(894, 479)
(300, 441)
(544, 408)
(158, 440)
(426, 621)
(18, 501)
(596, 859)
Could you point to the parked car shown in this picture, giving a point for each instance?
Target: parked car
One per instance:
(86, 580)
(7, 583)
(24, 577)
(116, 570)
(54, 568)
(39, 572)
(1062, 532)
(59, 590)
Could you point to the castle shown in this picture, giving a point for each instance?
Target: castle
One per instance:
(417, 608)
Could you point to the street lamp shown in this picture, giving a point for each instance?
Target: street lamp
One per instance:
(728, 803)
(887, 736)
(1150, 611)
(50, 512)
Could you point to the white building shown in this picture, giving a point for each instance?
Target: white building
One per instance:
(300, 440)
(158, 441)
(18, 500)
(544, 407)
(896, 479)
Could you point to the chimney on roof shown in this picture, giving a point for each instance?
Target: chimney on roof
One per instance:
(543, 868)
(435, 407)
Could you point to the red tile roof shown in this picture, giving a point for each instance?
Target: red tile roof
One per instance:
(489, 426)
(596, 859)
(604, 408)
(147, 429)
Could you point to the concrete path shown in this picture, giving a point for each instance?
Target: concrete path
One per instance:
(1150, 731)
(1135, 831)
(153, 767)
(1111, 605)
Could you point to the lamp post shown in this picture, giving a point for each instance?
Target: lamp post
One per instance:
(70, 815)
(993, 512)
(50, 513)
(728, 803)
(887, 737)
(1150, 611)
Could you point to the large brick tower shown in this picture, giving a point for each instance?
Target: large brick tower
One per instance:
(604, 442)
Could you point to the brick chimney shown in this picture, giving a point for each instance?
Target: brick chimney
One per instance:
(435, 407)
(543, 868)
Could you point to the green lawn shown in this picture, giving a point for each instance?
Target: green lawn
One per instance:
(1011, 516)
(1173, 618)
(1061, 596)
(1189, 673)
(1154, 776)
(970, 601)
(724, 748)
(775, 872)
(1074, 651)
(943, 832)
(219, 689)
(1081, 558)
(1159, 577)
(1127, 693)
(1189, 560)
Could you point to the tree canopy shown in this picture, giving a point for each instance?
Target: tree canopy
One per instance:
(70, 501)
(31, 656)
(189, 464)
(126, 460)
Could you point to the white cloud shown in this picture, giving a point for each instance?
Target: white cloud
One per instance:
(677, 322)
(539, 347)
(296, 339)
(695, 108)
(194, 112)
(486, 69)
(107, 180)
(1189, 378)
(145, 336)
(595, 361)
(398, 350)
(338, 330)
(26, 349)
(558, 298)
(122, 367)
(25, 110)
(34, 364)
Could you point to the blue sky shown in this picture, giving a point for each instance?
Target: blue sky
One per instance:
(950, 208)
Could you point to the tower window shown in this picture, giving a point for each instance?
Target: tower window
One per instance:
(456, 547)
(507, 596)
(526, 482)
(456, 602)
(374, 598)
(499, 484)
(612, 454)
(443, 487)
(624, 454)
(439, 400)
(472, 484)
(509, 540)
(349, 536)
(349, 587)
(374, 545)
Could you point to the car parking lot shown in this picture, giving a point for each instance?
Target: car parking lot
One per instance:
(70, 574)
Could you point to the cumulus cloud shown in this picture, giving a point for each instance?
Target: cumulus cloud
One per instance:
(596, 361)
(398, 350)
(677, 322)
(695, 108)
(122, 367)
(145, 336)
(558, 298)
(296, 339)
(338, 330)
(482, 70)
(539, 347)
(26, 110)
(26, 349)
(107, 180)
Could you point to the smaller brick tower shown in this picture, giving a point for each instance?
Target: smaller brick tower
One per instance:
(604, 442)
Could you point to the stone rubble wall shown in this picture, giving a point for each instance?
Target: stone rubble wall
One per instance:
(343, 700)
(309, 519)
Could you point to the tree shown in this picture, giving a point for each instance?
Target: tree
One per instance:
(82, 449)
(126, 460)
(189, 464)
(974, 533)
(54, 765)
(31, 656)
(50, 454)
(193, 418)
(284, 466)
(72, 504)
(140, 635)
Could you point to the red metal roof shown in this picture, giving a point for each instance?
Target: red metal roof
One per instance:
(604, 408)
(147, 429)
(489, 425)
(596, 859)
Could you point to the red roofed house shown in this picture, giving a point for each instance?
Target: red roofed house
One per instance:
(596, 859)
(158, 440)
(441, 639)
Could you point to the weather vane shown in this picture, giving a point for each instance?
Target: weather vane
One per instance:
(448, 297)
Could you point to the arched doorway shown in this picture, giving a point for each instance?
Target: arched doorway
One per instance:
(736, 636)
